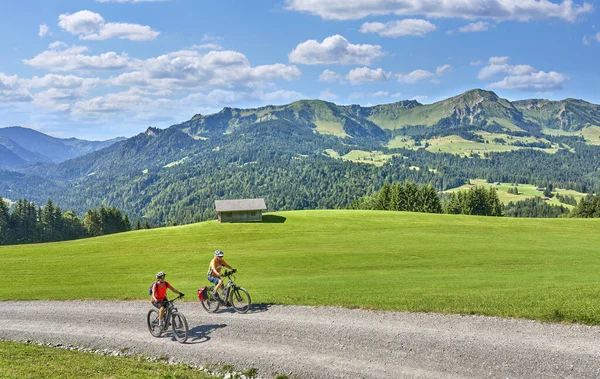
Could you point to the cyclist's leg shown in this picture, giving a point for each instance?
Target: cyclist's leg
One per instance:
(219, 286)
(214, 280)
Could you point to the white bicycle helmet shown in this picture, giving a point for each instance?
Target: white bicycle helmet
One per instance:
(160, 274)
(219, 253)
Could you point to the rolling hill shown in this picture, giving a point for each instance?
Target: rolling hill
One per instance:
(533, 268)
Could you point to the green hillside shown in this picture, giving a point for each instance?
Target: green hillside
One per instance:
(526, 191)
(536, 268)
(475, 107)
(570, 115)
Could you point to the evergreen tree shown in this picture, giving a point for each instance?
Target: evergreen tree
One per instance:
(430, 200)
(395, 196)
(495, 206)
(4, 220)
(383, 200)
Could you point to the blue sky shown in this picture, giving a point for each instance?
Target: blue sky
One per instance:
(97, 69)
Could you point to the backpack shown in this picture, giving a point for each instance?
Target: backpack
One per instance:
(202, 294)
(150, 289)
(152, 286)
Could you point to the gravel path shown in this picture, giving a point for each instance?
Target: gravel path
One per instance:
(313, 342)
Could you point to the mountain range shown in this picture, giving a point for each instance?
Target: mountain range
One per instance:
(475, 108)
(22, 146)
(287, 154)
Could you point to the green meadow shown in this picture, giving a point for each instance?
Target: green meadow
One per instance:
(545, 269)
(526, 191)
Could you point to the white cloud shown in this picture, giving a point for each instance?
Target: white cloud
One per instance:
(60, 81)
(587, 40)
(327, 95)
(8, 82)
(111, 103)
(399, 28)
(421, 99)
(368, 95)
(539, 81)
(521, 77)
(57, 45)
(210, 37)
(73, 59)
(334, 50)
(476, 63)
(443, 70)
(11, 90)
(92, 26)
(206, 46)
(329, 76)
(187, 69)
(475, 27)
(420, 75)
(414, 76)
(499, 65)
(366, 75)
(44, 29)
(498, 10)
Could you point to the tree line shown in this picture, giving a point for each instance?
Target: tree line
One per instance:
(588, 207)
(28, 223)
(411, 197)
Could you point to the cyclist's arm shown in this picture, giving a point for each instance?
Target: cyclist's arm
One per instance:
(153, 298)
(174, 290)
(213, 270)
(226, 265)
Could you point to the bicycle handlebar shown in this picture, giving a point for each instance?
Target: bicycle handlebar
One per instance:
(229, 273)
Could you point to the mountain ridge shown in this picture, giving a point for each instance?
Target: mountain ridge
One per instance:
(32, 146)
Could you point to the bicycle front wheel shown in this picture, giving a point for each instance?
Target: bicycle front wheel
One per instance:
(180, 327)
(209, 304)
(240, 300)
(152, 320)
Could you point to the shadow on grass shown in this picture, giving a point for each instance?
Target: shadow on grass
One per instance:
(273, 219)
(201, 333)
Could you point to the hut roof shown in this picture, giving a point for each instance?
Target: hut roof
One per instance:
(240, 205)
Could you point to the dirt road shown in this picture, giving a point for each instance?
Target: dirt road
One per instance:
(312, 342)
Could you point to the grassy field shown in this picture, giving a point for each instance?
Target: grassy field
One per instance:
(591, 134)
(543, 269)
(19, 360)
(460, 146)
(526, 191)
(376, 158)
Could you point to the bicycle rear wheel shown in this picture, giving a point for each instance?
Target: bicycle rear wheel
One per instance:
(240, 300)
(180, 327)
(209, 304)
(152, 320)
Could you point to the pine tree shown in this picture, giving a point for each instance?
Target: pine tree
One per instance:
(494, 204)
(395, 196)
(4, 219)
(383, 200)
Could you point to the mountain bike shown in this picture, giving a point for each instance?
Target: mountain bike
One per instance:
(171, 318)
(233, 296)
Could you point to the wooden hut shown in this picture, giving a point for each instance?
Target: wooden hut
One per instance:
(240, 210)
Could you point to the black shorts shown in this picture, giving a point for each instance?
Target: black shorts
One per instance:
(162, 303)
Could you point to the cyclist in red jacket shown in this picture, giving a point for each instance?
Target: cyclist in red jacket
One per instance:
(159, 295)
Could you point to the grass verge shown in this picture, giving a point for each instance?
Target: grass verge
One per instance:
(20, 360)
